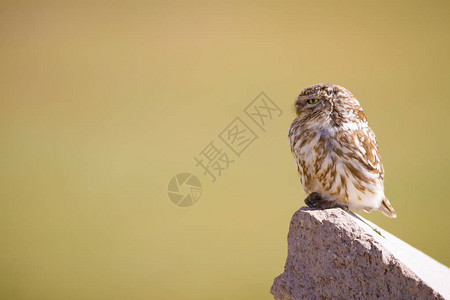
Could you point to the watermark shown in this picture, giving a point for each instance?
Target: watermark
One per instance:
(213, 161)
(184, 189)
(238, 136)
(223, 151)
(262, 109)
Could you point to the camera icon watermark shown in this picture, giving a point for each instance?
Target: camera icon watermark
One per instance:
(184, 189)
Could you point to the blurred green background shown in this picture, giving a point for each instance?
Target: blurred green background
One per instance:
(103, 102)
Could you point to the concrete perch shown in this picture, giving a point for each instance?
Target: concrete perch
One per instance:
(332, 255)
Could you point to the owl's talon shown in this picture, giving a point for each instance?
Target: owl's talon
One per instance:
(313, 200)
(310, 203)
(344, 207)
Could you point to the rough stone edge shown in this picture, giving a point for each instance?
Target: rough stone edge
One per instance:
(361, 234)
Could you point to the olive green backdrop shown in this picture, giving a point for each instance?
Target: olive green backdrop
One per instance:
(102, 103)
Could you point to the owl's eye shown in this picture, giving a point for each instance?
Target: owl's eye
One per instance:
(312, 101)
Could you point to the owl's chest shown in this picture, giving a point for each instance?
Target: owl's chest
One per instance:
(315, 147)
(316, 158)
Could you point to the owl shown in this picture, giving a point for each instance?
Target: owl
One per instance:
(336, 151)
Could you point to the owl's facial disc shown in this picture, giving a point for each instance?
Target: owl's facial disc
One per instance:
(323, 105)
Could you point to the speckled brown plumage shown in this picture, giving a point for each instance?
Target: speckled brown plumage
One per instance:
(336, 151)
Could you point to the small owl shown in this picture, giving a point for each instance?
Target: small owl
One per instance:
(336, 151)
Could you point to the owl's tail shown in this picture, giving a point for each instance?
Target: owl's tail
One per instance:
(387, 209)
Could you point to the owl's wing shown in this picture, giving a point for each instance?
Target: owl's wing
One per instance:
(368, 149)
(372, 159)
(363, 147)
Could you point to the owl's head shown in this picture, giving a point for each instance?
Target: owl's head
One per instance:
(325, 105)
